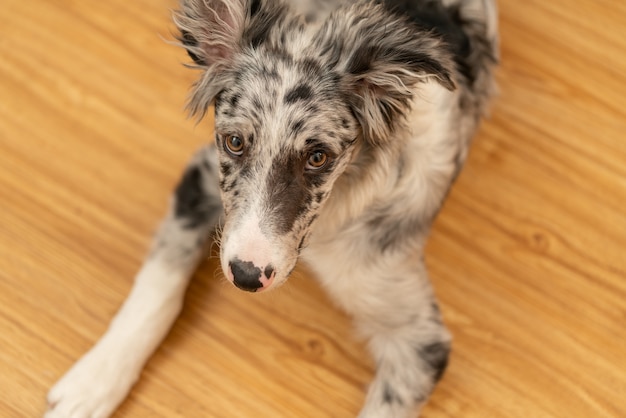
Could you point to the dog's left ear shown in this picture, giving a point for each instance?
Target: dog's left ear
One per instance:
(382, 58)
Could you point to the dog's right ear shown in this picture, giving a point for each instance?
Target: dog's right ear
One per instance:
(214, 31)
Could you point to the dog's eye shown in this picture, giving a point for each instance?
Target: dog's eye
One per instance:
(317, 160)
(234, 145)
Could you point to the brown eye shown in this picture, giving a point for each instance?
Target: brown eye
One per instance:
(317, 160)
(234, 145)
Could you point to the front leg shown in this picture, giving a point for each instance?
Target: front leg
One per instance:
(394, 307)
(410, 360)
(102, 378)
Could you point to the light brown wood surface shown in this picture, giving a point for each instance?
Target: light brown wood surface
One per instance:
(528, 256)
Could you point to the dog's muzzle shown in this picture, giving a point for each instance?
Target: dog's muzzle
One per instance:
(249, 277)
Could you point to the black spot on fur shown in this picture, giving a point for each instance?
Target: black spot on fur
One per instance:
(436, 357)
(234, 100)
(390, 396)
(300, 92)
(225, 168)
(288, 192)
(296, 127)
(226, 186)
(269, 269)
(193, 205)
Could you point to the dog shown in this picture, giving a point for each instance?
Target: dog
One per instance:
(340, 126)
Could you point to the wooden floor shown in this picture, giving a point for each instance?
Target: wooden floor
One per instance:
(528, 257)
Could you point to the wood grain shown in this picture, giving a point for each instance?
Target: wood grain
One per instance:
(527, 256)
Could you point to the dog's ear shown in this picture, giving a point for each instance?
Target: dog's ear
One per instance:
(214, 31)
(382, 58)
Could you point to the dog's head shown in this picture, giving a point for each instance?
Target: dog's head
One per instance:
(293, 101)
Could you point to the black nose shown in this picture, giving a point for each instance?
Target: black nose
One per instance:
(245, 275)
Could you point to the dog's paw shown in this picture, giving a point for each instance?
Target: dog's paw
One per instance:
(388, 411)
(383, 401)
(92, 388)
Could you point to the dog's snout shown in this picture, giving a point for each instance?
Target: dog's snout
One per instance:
(249, 277)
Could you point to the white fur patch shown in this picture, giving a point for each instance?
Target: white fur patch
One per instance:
(101, 379)
(246, 242)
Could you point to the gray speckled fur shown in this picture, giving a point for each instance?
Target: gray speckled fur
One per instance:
(396, 109)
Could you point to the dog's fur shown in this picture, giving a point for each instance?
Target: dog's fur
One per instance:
(340, 126)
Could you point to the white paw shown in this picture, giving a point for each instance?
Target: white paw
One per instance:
(388, 411)
(92, 388)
